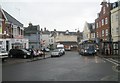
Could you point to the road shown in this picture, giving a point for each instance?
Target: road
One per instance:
(69, 67)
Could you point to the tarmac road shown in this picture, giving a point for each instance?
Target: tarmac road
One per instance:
(69, 67)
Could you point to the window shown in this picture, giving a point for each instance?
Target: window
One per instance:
(93, 35)
(97, 34)
(116, 17)
(106, 20)
(97, 25)
(102, 22)
(51, 40)
(103, 10)
(106, 32)
(102, 33)
(117, 30)
(93, 26)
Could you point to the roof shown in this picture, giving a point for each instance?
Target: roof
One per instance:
(68, 42)
(64, 32)
(12, 19)
(45, 32)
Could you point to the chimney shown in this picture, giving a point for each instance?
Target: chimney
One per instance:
(41, 29)
(45, 29)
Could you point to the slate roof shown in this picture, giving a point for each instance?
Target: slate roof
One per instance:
(68, 42)
(12, 19)
(63, 32)
(90, 26)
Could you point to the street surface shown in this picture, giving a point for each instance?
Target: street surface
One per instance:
(69, 67)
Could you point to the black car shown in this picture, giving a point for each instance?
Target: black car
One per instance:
(19, 53)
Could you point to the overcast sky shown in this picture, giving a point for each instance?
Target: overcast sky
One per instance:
(54, 14)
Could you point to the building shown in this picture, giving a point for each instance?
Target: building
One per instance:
(115, 27)
(115, 22)
(69, 39)
(2, 22)
(12, 32)
(45, 38)
(89, 31)
(32, 32)
(103, 28)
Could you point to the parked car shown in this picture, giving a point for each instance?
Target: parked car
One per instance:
(45, 49)
(19, 53)
(61, 48)
(35, 53)
(39, 53)
(56, 52)
(3, 54)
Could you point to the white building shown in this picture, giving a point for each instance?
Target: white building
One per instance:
(86, 31)
(115, 22)
(45, 39)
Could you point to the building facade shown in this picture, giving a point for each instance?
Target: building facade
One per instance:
(103, 28)
(89, 31)
(68, 39)
(115, 22)
(115, 27)
(103, 22)
(11, 32)
(32, 33)
(45, 38)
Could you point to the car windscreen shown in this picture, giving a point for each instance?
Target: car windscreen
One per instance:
(56, 50)
(24, 50)
(60, 48)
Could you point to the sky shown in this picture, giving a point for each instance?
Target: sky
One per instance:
(61, 15)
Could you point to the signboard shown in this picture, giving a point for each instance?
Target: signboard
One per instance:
(0, 27)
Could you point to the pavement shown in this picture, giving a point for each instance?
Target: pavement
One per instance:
(20, 60)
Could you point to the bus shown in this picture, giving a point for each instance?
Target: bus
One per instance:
(87, 47)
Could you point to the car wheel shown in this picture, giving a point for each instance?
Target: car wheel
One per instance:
(25, 56)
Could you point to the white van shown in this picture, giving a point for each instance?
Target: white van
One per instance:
(61, 48)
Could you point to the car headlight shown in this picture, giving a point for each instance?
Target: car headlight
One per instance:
(85, 50)
(28, 53)
(95, 50)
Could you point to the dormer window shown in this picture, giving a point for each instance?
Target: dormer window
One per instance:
(67, 32)
(103, 10)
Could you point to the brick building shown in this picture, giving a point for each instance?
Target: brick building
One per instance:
(103, 22)
(103, 27)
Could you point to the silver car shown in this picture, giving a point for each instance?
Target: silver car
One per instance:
(56, 52)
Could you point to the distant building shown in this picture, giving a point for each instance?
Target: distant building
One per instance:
(89, 31)
(45, 38)
(69, 39)
(32, 32)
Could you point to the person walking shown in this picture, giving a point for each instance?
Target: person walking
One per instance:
(44, 53)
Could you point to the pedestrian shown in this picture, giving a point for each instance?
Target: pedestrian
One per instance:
(31, 53)
(44, 53)
(106, 51)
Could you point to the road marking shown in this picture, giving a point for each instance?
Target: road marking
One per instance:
(112, 62)
(114, 67)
